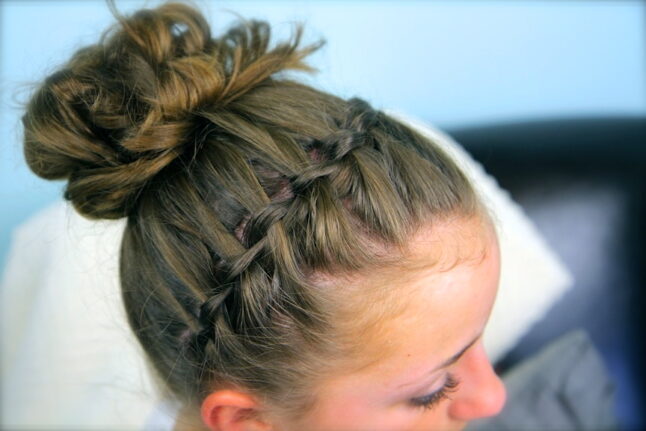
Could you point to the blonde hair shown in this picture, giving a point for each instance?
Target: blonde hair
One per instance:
(241, 187)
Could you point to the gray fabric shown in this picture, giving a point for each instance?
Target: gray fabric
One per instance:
(564, 387)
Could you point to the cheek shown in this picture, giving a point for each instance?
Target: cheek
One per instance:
(355, 415)
(439, 418)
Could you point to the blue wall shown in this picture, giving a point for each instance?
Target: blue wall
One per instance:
(448, 62)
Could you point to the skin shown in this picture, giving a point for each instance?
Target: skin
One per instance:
(447, 305)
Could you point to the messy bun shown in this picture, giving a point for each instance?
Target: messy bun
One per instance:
(247, 195)
(122, 110)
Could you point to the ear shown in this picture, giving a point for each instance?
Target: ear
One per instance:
(230, 410)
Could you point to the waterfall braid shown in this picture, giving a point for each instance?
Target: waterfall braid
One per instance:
(243, 190)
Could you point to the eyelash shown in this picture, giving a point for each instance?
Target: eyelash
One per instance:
(431, 400)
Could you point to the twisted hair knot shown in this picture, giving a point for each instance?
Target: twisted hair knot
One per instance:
(121, 111)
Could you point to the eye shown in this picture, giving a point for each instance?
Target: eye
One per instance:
(429, 401)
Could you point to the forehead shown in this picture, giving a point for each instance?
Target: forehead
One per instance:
(446, 284)
(440, 309)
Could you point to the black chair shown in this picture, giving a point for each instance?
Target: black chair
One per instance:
(581, 181)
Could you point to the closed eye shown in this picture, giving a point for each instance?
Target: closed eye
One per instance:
(431, 400)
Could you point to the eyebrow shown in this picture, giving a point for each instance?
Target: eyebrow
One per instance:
(452, 360)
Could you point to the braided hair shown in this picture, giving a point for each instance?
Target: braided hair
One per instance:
(244, 190)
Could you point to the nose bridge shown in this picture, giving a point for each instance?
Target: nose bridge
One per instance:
(483, 393)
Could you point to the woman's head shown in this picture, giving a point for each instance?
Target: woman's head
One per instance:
(431, 351)
(283, 246)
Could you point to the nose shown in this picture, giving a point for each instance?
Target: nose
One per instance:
(482, 393)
